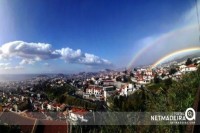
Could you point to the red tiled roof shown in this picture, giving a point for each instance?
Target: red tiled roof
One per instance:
(192, 65)
(108, 81)
(26, 124)
(34, 125)
(97, 88)
(90, 87)
(48, 126)
(94, 88)
(79, 111)
(56, 104)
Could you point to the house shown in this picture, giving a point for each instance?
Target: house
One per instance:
(86, 96)
(123, 91)
(77, 114)
(48, 126)
(192, 67)
(134, 79)
(26, 124)
(189, 68)
(182, 67)
(49, 107)
(143, 79)
(108, 82)
(130, 87)
(94, 90)
(148, 72)
(33, 125)
(178, 74)
(97, 91)
(56, 106)
(108, 91)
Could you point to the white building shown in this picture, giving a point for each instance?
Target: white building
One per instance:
(94, 90)
(78, 114)
(49, 107)
(189, 68)
(182, 66)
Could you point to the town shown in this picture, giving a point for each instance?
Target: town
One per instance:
(32, 99)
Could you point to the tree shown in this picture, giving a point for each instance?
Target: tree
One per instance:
(163, 75)
(135, 85)
(91, 82)
(156, 79)
(125, 72)
(188, 62)
(131, 74)
(172, 71)
(1, 108)
(62, 99)
(118, 79)
(142, 73)
(168, 82)
(125, 79)
(195, 62)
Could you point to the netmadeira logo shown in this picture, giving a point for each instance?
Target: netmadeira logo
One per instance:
(177, 118)
(190, 114)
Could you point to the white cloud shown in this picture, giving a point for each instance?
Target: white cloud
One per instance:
(76, 56)
(3, 65)
(29, 53)
(6, 66)
(47, 64)
(27, 61)
(69, 54)
(92, 59)
(34, 51)
(13, 68)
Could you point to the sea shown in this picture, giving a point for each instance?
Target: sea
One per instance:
(16, 77)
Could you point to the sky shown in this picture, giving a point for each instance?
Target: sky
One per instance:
(70, 36)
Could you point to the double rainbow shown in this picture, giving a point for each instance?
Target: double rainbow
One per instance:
(159, 41)
(173, 54)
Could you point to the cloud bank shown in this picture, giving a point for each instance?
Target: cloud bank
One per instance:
(29, 53)
(6, 66)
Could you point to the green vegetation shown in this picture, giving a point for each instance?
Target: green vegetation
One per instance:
(9, 128)
(161, 96)
(172, 71)
(188, 62)
(54, 92)
(73, 101)
(167, 95)
(61, 94)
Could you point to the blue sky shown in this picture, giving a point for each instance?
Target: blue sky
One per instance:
(84, 35)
